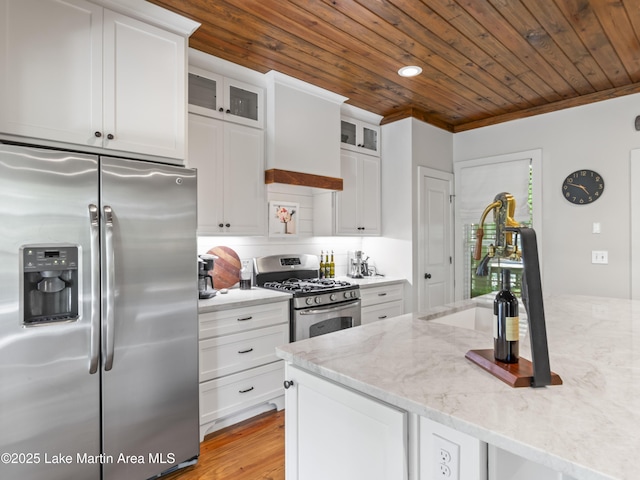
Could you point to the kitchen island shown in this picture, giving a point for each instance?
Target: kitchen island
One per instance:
(587, 428)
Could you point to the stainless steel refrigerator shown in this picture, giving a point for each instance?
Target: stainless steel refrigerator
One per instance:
(98, 316)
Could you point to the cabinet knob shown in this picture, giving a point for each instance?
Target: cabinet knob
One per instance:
(288, 384)
(98, 134)
(221, 225)
(221, 109)
(227, 225)
(110, 136)
(427, 276)
(228, 111)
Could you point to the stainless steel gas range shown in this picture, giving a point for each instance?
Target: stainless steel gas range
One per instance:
(318, 305)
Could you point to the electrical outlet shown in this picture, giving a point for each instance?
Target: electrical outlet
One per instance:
(445, 472)
(600, 256)
(446, 455)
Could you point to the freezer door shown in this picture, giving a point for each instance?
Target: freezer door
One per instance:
(49, 400)
(150, 325)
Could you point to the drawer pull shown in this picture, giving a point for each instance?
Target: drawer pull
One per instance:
(246, 351)
(382, 294)
(288, 384)
(246, 391)
(244, 319)
(381, 317)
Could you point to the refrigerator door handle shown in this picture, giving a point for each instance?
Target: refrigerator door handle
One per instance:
(94, 220)
(108, 323)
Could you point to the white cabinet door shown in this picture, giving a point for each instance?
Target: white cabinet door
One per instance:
(335, 433)
(358, 204)
(369, 195)
(347, 215)
(206, 149)
(51, 64)
(224, 98)
(244, 198)
(360, 136)
(74, 72)
(144, 88)
(230, 163)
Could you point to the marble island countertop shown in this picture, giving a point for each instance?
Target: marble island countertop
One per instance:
(588, 428)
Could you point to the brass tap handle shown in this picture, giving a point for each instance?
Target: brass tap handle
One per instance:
(477, 253)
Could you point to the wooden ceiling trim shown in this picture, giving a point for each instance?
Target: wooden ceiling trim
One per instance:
(553, 107)
(424, 48)
(616, 24)
(478, 34)
(417, 114)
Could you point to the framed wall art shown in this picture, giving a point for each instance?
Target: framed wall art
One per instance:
(283, 219)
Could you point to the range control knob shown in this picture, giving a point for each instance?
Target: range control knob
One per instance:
(347, 294)
(332, 297)
(309, 300)
(318, 299)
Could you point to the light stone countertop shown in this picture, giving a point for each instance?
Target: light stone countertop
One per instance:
(372, 281)
(237, 297)
(588, 428)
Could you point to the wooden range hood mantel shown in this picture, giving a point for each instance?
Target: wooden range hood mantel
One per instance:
(303, 179)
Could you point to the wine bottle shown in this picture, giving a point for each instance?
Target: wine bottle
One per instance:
(332, 267)
(321, 264)
(506, 323)
(327, 266)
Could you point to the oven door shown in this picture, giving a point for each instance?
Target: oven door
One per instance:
(314, 321)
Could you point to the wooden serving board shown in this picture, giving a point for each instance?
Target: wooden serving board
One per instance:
(226, 269)
(513, 374)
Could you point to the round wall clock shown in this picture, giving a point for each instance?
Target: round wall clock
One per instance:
(583, 187)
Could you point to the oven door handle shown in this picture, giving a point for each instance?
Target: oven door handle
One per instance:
(327, 309)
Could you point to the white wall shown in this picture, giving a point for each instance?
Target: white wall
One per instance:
(305, 242)
(406, 144)
(600, 137)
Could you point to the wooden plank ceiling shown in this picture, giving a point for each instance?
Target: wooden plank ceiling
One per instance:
(483, 61)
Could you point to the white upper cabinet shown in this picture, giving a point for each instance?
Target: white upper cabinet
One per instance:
(144, 104)
(230, 163)
(225, 98)
(357, 206)
(359, 136)
(74, 72)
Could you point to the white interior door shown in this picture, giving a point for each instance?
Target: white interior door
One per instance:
(435, 277)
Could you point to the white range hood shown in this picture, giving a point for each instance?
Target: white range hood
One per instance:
(303, 133)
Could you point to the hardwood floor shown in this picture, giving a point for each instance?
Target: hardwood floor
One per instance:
(251, 450)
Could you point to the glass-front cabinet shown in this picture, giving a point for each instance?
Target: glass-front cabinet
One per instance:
(359, 136)
(221, 97)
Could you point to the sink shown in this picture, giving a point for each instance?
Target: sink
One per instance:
(474, 318)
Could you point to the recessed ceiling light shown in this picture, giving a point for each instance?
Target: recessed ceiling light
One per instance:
(409, 71)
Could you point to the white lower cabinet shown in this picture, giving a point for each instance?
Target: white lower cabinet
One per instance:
(239, 371)
(335, 433)
(381, 302)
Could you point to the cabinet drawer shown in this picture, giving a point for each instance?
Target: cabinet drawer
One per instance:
(229, 354)
(227, 395)
(381, 294)
(235, 320)
(374, 313)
